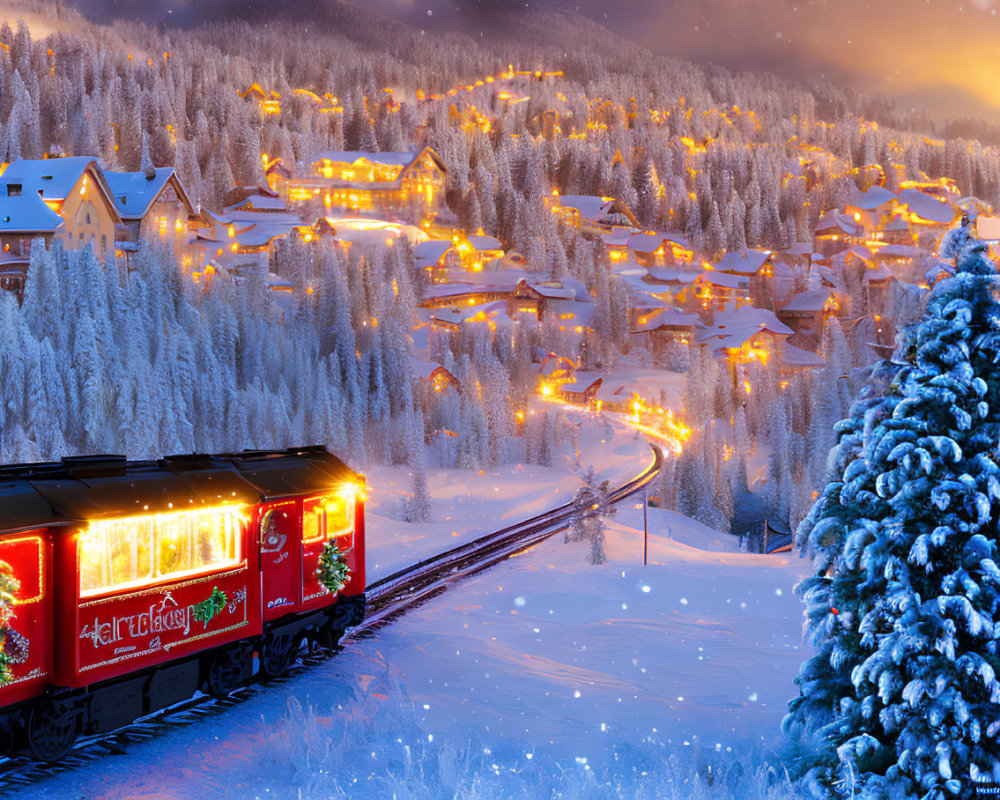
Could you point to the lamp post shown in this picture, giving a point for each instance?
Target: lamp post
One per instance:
(645, 527)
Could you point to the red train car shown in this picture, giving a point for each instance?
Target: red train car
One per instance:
(137, 583)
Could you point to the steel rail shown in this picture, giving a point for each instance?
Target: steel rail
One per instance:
(392, 595)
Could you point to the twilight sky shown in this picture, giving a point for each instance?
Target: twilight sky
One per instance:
(938, 54)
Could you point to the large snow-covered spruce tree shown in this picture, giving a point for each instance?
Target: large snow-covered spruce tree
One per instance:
(901, 699)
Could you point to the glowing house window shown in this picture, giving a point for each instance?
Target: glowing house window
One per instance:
(130, 552)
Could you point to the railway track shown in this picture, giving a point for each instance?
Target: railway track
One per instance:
(419, 582)
(386, 599)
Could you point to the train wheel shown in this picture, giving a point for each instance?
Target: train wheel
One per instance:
(52, 729)
(328, 636)
(277, 654)
(229, 670)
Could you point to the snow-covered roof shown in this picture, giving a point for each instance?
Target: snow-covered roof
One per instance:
(583, 383)
(617, 238)
(456, 316)
(430, 252)
(743, 263)
(134, 192)
(590, 206)
(671, 276)
(645, 242)
(646, 301)
(354, 156)
(251, 229)
(782, 273)
(367, 232)
(238, 263)
(651, 242)
(736, 327)
(259, 202)
(861, 252)
(724, 279)
(54, 177)
(579, 290)
(27, 213)
(485, 243)
(836, 223)
(791, 356)
(762, 318)
(549, 290)
(553, 364)
(815, 300)
(573, 312)
(669, 317)
(871, 199)
(422, 369)
(463, 282)
(443, 291)
(823, 276)
(939, 212)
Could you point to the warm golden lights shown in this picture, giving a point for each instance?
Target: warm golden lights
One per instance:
(150, 548)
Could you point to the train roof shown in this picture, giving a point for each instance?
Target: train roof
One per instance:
(80, 489)
(288, 473)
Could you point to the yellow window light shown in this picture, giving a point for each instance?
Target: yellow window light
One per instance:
(150, 548)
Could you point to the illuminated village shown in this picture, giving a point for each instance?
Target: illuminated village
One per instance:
(602, 310)
(448, 270)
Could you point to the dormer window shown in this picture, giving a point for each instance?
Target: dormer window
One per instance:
(13, 190)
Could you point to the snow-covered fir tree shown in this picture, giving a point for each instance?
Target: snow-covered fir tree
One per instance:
(902, 699)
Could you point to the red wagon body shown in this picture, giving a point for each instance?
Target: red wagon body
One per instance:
(140, 582)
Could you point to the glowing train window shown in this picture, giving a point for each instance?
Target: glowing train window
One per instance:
(339, 515)
(312, 521)
(121, 553)
(326, 517)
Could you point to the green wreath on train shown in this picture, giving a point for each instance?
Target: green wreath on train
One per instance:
(333, 571)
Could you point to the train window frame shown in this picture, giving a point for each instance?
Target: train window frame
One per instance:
(310, 513)
(267, 513)
(323, 504)
(98, 533)
(41, 557)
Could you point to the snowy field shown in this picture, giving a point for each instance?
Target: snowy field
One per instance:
(465, 505)
(543, 677)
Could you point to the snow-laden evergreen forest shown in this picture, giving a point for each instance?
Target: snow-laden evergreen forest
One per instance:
(146, 363)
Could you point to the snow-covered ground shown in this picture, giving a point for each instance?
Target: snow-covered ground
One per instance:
(542, 677)
(465, 505)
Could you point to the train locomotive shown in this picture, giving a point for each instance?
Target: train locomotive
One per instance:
(127, 586)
